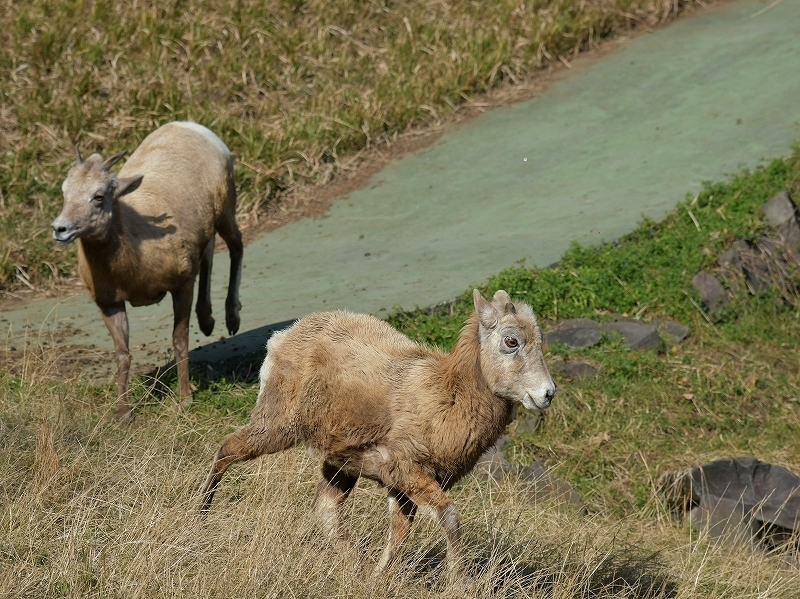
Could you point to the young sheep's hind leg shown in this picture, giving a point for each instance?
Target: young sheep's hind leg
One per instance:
(203, 308)
(245, 444)
(333, 489)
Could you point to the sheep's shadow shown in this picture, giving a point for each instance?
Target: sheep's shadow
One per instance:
(234, 358)
(624, 570)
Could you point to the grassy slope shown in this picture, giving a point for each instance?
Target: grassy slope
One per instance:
(91, 509)
(295, 88)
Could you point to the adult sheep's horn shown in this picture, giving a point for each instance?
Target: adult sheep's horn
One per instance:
(78, 159)
(113, 159)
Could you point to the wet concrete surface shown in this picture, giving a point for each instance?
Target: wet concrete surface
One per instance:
(617, 138)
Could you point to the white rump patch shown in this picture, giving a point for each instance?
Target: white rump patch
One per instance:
(205, 132)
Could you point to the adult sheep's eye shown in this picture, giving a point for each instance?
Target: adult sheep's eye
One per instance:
(98, 198)
(511, 343)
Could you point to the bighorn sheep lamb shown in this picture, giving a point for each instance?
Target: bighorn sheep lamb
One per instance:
(150, 230)
(371, 402)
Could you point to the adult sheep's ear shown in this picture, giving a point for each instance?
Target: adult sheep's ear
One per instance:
(127, 185)
(113, 160)
(487, 315)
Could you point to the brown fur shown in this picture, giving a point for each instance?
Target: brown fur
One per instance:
(150, 230)
(373, 403)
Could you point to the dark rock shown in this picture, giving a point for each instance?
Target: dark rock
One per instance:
(736, 499)
(673, 331)
(539, 483)
(712, 293)
(781, 214)
(575, 332)
(637, 335)
(578, 370)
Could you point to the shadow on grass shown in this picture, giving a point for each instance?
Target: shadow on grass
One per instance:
(546, 570)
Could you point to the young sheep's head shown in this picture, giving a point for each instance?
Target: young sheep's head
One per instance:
(512, 361)
(91, 192)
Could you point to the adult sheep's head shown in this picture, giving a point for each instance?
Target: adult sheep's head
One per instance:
(511, 355)
(91, 192)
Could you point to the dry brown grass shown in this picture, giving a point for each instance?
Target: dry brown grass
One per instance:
(298, 89)
(92, 509)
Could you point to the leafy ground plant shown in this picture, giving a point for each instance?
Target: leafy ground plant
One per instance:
(93, 509)
(298, 89)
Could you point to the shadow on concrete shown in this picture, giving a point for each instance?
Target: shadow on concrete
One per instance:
(236, 357)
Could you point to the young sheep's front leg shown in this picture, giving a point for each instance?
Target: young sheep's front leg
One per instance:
(402, 511)
(116, 319)
(182, 309)
(423, 490)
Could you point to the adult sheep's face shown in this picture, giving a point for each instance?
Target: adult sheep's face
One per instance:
(512, 360)
(90, 191)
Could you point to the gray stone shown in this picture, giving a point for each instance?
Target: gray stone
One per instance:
(578, 370)
(781, 214)
(712, 293)
(535, 478)
(736, 499)
(674, 332)
(575, 332)
(637, 335)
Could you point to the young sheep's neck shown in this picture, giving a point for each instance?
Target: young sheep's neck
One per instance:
(481, 413)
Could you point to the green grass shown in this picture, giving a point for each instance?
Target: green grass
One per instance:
(297, 89)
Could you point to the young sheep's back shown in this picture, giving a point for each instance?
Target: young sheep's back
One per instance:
(335, 378)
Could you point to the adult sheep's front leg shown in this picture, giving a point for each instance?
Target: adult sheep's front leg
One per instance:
(116, 319)
(182, 311)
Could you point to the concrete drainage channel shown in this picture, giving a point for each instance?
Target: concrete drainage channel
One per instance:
(628, 135)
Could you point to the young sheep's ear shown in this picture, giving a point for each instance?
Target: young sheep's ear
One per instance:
(113, 160)
(487, 315)
(127, 184)
(501, 298)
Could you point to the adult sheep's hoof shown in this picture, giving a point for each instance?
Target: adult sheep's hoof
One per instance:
(124, 415)
(232, 318)
(206, 324)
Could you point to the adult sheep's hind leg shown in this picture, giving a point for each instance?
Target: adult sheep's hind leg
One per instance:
(247, 443)
(203, 308)
(229, 231)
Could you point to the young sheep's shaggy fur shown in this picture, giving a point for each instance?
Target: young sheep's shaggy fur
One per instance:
(150, 230)
(371, 402)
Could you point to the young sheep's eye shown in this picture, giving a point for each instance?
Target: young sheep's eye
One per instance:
(510, 342)
(98, 198)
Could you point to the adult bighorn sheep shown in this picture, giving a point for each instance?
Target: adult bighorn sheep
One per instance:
(371, 402)
(150, 230)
